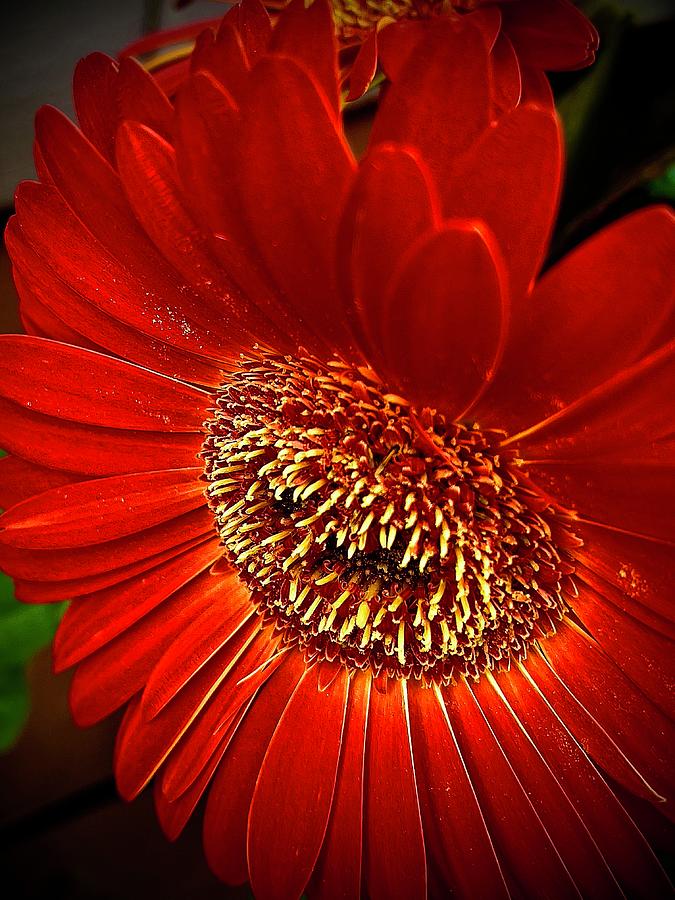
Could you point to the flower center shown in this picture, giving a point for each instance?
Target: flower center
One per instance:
(353, 17)
(372, 534)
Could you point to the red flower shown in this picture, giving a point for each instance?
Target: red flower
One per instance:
(534, 34)
(429, 637)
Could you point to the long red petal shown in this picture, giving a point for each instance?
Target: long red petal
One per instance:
(295, 786)
(553, 805)
(620, 842)
(573, 335)
(550, 34)
(227, 809)
(531, 864)
(70, 383)
(113, 674)
(338, 869)
(20, 479)
(611, 421)
(639, 728)
(104, 509)
(145, 745)
(291, 199)
(394, 860)
(455, 833)
(91, 621)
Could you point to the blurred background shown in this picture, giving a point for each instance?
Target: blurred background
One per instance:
(63, 831)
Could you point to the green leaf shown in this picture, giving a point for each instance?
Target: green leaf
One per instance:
(24, 629)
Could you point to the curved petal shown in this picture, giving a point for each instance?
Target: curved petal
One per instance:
(391, 204)
(444, 318)
(550, 34)
(109, 557)
(95, 97)
(629, 417)
(307, 35)
(294, 176)
(510, 178)
(118, 670)
(638, 727)
(147, 168)
(546, 790)
(144, 745)
(21, 479)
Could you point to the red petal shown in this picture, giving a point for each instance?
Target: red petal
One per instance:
(518, 202)
(109, 677)
(95, 95)
(455, 833)
(93, 620)
(506, 83)
(295, 786)
(587, 730)
(445, 83)
(254, 667)
(20, 479)
(638, 727)
(531, 863)
(394, 860)
(444, 318)
(579, 853)
(104, 509)
(84, 562)
(392, 203)
(620, 842)
(254, 26)
(95, 323)
(157, 306)
(364, 67)
(226, 816)
(174, 814)
(642, 572)
(40, 321)
(642, 653)
(306, 34)
(292, 200)
(148, 171)
(98, 390)
(223, 57)
(611, 421)
(573, 335)
(144, 746)
(635, 497)
(89, 449)
(550, 34)
(141, 99)
(200, 642)
(338, 869)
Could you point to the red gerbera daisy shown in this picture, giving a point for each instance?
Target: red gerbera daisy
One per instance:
(363, 527)
(530, 36)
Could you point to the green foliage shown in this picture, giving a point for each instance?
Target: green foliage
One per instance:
(24, 630)
(663, 188)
